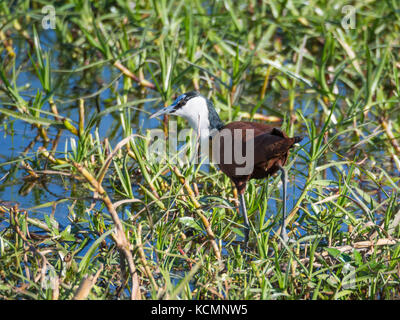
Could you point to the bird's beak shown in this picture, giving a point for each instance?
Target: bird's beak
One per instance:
(166, 110)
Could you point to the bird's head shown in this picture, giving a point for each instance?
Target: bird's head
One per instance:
(187, 105)
(195, 108)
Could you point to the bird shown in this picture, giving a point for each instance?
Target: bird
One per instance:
(267, 147)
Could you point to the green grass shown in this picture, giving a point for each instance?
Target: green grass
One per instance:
(143, 229)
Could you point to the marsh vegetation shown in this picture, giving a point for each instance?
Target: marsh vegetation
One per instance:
(85, 213)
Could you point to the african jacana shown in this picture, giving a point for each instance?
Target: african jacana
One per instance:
(270, 146)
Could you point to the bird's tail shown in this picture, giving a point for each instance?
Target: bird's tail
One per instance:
(298, 139)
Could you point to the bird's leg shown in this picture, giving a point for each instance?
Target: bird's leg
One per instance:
(243, 212)
(284, 234)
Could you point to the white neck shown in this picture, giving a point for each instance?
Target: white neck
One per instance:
(195, 111)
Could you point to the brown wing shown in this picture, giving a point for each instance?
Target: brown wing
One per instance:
(233, 144)
(269, 147)
(259, 128)
(271, 152)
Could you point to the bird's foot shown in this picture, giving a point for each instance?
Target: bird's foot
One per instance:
(285, 240)
(284, 235)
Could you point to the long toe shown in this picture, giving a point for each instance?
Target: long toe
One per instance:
(286, 240)
(284, 236)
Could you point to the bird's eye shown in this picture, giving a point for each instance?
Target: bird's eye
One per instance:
(178, 105)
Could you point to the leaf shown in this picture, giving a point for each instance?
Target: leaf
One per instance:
(343, 293)
(333, 252)
(52, 224)
(344, 257)
(83, 265)
(286, 71)
(190, 223)
(324, 182)
(177, 290)
(238, 232)
(215, 199)
(66, 234)
(28, 118)
(358, 258)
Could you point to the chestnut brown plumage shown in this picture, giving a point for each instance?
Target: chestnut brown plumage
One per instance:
(271, 149)
(269, 153)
